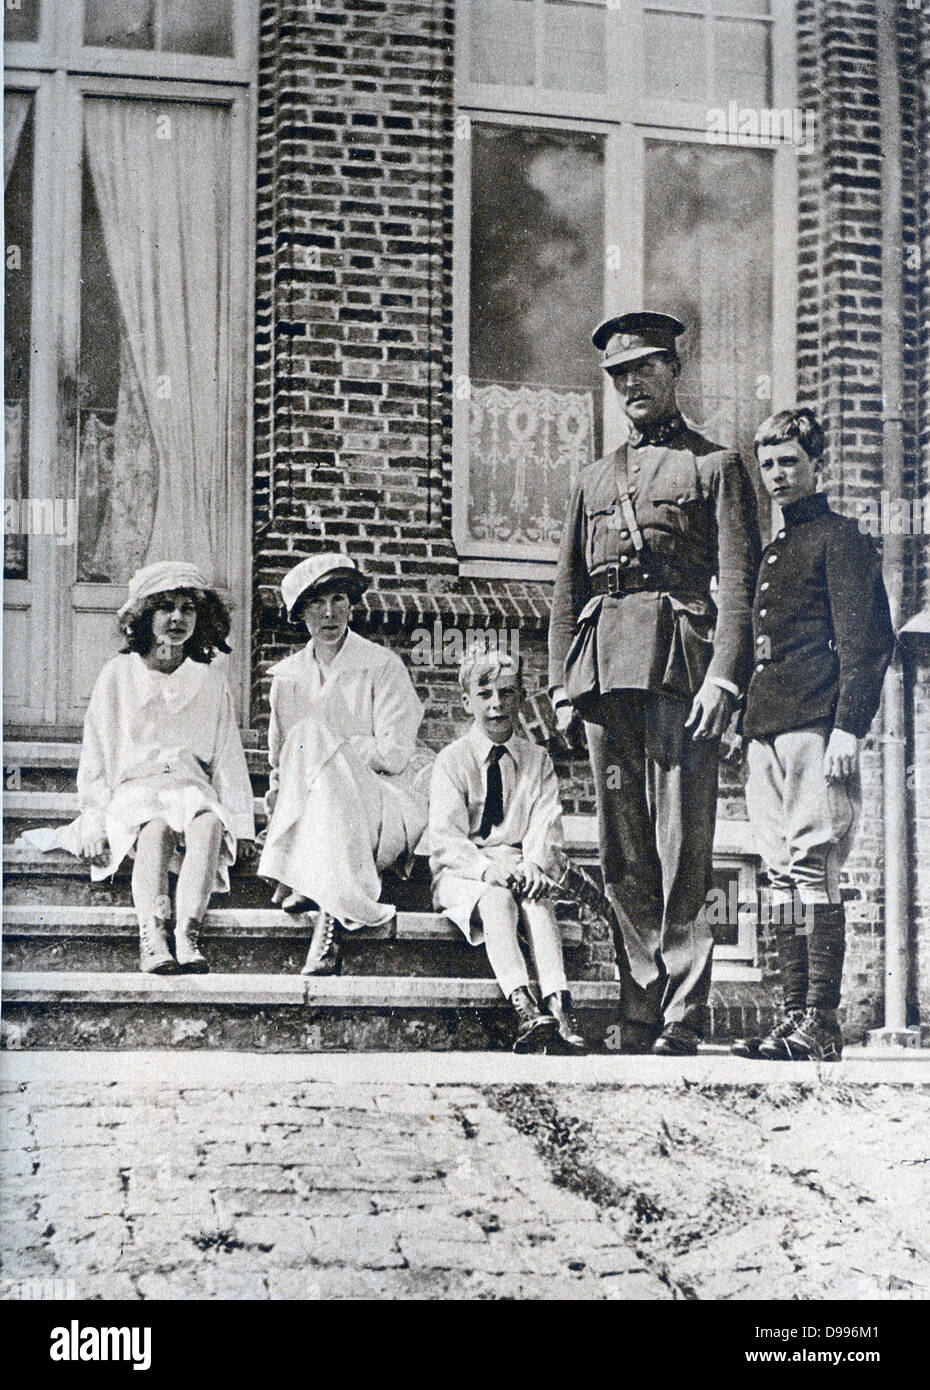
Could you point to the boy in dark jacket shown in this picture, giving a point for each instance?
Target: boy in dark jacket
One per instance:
(823, 639)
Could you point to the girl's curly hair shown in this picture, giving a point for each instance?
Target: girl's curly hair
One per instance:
(206, 641)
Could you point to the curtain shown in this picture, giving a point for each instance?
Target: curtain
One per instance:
(526, 447)
(15, 110)
(118, 484)
(161, 178)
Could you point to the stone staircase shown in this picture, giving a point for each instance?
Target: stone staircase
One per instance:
(70, 976)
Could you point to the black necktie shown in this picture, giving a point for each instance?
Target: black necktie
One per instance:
(493, 812)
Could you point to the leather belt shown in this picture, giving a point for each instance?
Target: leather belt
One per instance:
(621, 579)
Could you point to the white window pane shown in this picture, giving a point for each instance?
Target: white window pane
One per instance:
(503, 43)
(198, 26)
(120, 23)
(574, 41)
(537, 290)
(708, 258)
(22, 25)
(742, 62)
(674, 57)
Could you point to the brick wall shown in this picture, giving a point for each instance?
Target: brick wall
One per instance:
(839, 351)
(353, 345)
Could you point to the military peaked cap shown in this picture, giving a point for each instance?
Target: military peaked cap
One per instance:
(628, 337)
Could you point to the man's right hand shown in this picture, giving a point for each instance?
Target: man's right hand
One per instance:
(565, 716)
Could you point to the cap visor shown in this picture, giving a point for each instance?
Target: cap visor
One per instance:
(622, 359)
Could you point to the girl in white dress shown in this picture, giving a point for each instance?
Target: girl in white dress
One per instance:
(344, 721)
(162, 764)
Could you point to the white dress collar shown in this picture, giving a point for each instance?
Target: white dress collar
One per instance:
(176, 688)
(355, 654)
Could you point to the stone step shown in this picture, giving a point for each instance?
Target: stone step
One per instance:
(264, 924)
(65, 756)
(73, 1010)
(59, 807)
(239, 941)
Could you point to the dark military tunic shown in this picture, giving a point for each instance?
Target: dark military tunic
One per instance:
(657, 626)
(821, 626)
(633, 633)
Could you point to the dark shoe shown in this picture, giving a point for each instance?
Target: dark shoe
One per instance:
(676, 1040)
(536, 1029)
(569, 1040)
(325, 954)
(155, 956)
(636, 1038)
(769, 1045)
(187, 948)
(817, 1038)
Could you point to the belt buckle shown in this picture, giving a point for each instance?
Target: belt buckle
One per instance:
(613, 579)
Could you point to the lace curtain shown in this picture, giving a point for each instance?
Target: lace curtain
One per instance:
(156, 483)
(526, 446)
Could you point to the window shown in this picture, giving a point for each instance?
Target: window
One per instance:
(168, 26)
(17, 179)
(588, 183)
(127, 321)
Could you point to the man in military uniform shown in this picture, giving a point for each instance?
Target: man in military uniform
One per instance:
(655, 665)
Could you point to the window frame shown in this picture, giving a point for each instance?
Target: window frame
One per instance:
(625, 124)
(61, 80)
(60, 46)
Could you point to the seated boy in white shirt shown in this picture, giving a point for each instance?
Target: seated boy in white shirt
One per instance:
(495, 836)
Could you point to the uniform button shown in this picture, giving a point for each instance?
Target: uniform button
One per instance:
(763, 612)
(624, 535)
(624, 559)
(760, 666)
(634, 467)
(772, 559)
(765, 585)
(680, 501)
(646, 574)
(781, 534)
(761, 641)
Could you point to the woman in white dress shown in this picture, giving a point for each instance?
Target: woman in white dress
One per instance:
(162, 764)
(344, 721)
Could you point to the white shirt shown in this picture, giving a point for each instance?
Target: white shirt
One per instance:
(366, 695)
(142, 723)
(532, 809)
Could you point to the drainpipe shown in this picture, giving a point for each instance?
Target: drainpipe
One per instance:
(894, 754)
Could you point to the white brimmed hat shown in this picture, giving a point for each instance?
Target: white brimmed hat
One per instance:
(310, 575)
(161, 578)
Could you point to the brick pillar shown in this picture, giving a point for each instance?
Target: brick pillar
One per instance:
(839, 346)
(353, 318)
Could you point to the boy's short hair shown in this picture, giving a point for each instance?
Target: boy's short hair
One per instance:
(479, 661)
(800, 424)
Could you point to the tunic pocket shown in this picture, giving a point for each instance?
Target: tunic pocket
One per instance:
(582, 681)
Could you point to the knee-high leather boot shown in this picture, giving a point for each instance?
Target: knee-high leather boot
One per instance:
(793, 968)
